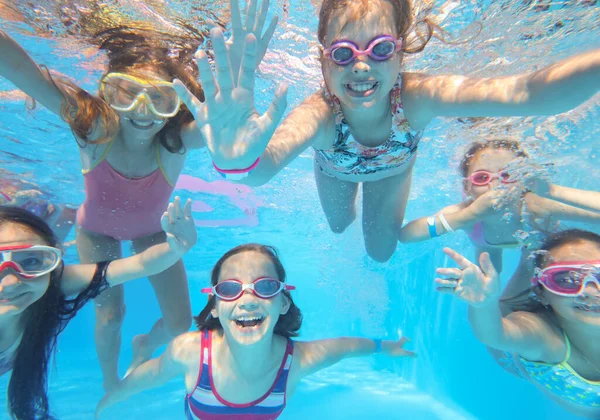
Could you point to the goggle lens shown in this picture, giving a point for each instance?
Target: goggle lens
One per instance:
(32, 261)
(379, 49)
(569, 281)
(123, 93)
(481, 178)
(264, 288)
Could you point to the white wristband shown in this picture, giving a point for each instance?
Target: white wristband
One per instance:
(445, 223)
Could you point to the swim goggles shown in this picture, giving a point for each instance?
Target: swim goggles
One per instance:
(232, 289)
(568, 278)
(380, 48)
(482, 178)
(124, 92)
(30, 261)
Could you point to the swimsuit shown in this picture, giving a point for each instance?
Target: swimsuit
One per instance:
(562, 381)
(123, 208)
(478, 238)
(347, 158)
(205, 403)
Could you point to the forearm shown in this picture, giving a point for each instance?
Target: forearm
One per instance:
(489, 326)
(154, 260)
(144, 377)
(18, 67)
(419, 230)
(586, 199)
(566, 84)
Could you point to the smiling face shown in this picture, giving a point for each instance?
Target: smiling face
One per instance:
(584, 308)
(16, 292)
(491, 160)
(141, 122)
(363, 82)
(249, 319)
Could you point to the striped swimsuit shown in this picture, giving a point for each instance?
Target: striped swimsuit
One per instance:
(205, 403)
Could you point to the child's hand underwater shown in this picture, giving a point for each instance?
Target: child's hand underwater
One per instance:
(178, 224)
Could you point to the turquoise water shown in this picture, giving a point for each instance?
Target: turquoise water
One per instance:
(340, 290)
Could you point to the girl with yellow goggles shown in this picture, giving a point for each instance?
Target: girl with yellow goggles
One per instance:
(124, 92)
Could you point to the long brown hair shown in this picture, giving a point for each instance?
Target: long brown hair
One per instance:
(423, 29)
(93, 121)
(287, 324)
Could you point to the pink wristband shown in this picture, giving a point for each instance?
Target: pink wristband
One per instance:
(237, 171)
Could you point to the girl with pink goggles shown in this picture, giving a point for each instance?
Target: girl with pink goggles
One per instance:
(483, 178)
(380, 48)
(569, 278)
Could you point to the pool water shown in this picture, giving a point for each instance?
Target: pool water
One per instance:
(339, 289)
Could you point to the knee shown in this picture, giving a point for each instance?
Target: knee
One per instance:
(179, 325)
(110, 318)
(340, 225)
(379, 251)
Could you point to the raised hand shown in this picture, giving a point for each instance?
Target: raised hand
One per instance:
(254, 25)
(234, 132)
(479, 287)
(487, 205)
(178, 224)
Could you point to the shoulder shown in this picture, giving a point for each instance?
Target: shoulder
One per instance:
(186, 347)
(551, 339)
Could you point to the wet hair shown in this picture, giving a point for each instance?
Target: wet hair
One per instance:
(562, 238)
(44, 320)
(129, 50)
(476, 148)
(402, 15)
(287, 324)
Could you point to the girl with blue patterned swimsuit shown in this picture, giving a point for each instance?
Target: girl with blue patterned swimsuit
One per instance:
(556, 346)
(366, 123)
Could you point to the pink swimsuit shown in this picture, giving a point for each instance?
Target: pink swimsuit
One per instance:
(120, 207)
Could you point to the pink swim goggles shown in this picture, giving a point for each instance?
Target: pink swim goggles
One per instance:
(232, 289)
(380, 48)
(568, 278)
(483, 178)
(30, 261)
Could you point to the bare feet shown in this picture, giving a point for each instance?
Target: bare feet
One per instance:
(110, 384)
(141, 352)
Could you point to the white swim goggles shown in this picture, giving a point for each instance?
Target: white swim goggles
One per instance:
(30, 261)
(124, 92)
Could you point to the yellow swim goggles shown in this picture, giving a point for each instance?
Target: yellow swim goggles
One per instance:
(124, 92)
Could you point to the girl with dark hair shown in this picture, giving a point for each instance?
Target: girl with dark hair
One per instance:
(557, 346)
(133, 138)
(34, 294)
(366, 123)
(242, 362)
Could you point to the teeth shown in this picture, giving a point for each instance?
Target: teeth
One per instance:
(361, 87)
(249, 318)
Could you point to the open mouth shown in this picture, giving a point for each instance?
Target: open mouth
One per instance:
(249, 323)
(143, 125)
(361, 89)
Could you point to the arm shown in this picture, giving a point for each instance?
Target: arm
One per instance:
(181, 237)
(320, 354)
(549, 210)
(309, 123)
(418, 230)
(585, 199)
(18, 67)
(527, 334)
(154, 372)
(555, 89)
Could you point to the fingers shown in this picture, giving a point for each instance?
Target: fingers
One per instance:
(178, 210)
(224, 76)
(446, 283)
(266, 38)
(248, 65)
(251, 16)
(458, 259)
(209, 84)
(450, 273)
(262, 17)
(186, 96)
(485, 262)
(403, 341)
(277, 108)
(236, 19)
(187, 210)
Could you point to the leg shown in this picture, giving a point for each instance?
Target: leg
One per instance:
(172, 293)
(384, 204)
(110, 305)
(337, 199)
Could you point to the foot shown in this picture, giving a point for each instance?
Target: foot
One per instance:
(141, 352)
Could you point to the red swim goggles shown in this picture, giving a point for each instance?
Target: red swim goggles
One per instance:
(568, 278)
(483, 178)
(380, 48)
(232, 289)
(30, 261)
